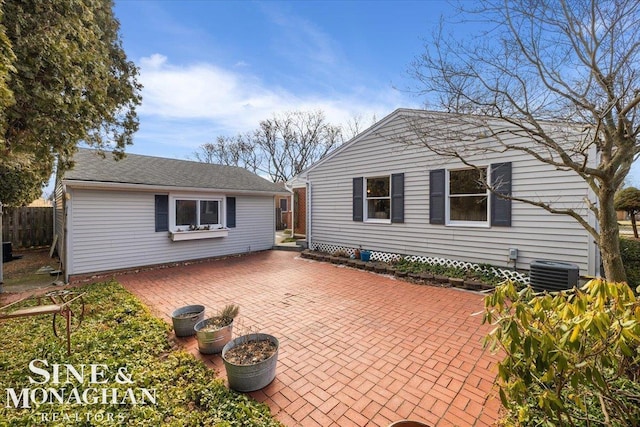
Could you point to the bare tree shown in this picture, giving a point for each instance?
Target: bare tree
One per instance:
(280, 148)
(356, 125)
(232, 151)
(566, 75)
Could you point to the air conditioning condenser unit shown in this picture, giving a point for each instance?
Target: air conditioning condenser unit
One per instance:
(545, 275)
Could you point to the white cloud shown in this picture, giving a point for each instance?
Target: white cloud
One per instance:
(229, 101)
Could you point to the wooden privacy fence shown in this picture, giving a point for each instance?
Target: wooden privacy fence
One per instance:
(279, 222)
(26, 227)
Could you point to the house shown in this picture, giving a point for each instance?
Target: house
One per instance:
(142, 210)
(386, 191)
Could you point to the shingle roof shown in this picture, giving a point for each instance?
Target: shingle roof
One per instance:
(159, 171)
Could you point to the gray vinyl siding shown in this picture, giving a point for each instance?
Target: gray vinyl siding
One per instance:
(116, 230)
(536, 233)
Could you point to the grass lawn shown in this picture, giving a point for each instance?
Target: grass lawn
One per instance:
(138, 378)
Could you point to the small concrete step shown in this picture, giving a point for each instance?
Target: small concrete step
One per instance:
(287, 247)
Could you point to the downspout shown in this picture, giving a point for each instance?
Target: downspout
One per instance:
(292, 207)
(309, 216)
(66, 200)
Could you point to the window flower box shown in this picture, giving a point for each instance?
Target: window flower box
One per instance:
(178, 236)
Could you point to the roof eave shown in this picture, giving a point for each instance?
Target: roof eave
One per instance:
(102, 185)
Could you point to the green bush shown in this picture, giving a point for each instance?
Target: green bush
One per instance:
(571, 357)
(119, 332)
(484, 273)
(630, 253)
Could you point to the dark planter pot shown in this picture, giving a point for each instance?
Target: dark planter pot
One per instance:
(185, 318)
(247, 378)
(408, 423)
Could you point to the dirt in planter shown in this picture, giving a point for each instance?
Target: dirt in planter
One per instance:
(187, 315)
(216, 323)
(251, 352)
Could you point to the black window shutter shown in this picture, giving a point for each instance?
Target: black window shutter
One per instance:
(501, 183)
(162, 212)
(357, 199)
(436, 196)
(397, 198)
(231, 212)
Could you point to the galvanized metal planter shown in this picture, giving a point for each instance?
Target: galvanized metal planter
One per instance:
(408, 423)
(210, 342)
(185, 318)
(247, 378)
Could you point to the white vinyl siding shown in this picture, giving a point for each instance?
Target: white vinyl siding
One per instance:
(536, 233)
(114, 230)
(59, 221)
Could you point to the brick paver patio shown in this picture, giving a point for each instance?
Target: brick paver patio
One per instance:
(356, 348)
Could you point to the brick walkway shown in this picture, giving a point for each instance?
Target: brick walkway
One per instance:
(356, 348)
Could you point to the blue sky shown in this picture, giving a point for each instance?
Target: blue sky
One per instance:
(212, 68)
(216, 68)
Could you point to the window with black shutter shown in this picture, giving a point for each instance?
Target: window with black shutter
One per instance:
(437, 196)
(357, 199)
(397, 198)
(231, 212)
(162, 212)
(501, 185)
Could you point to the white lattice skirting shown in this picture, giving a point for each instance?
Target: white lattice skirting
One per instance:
(389, 257)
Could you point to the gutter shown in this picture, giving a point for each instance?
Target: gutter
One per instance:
(101, 185)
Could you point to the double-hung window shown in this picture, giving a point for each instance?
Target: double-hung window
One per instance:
(378, 198)
(197, 213)
(468, 197)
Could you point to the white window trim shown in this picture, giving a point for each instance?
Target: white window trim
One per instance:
(209, 197)
(447, 206)
(286, 201)
(365, 202)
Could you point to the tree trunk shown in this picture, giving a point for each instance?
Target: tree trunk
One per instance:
(633, 224)
(609, 238)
